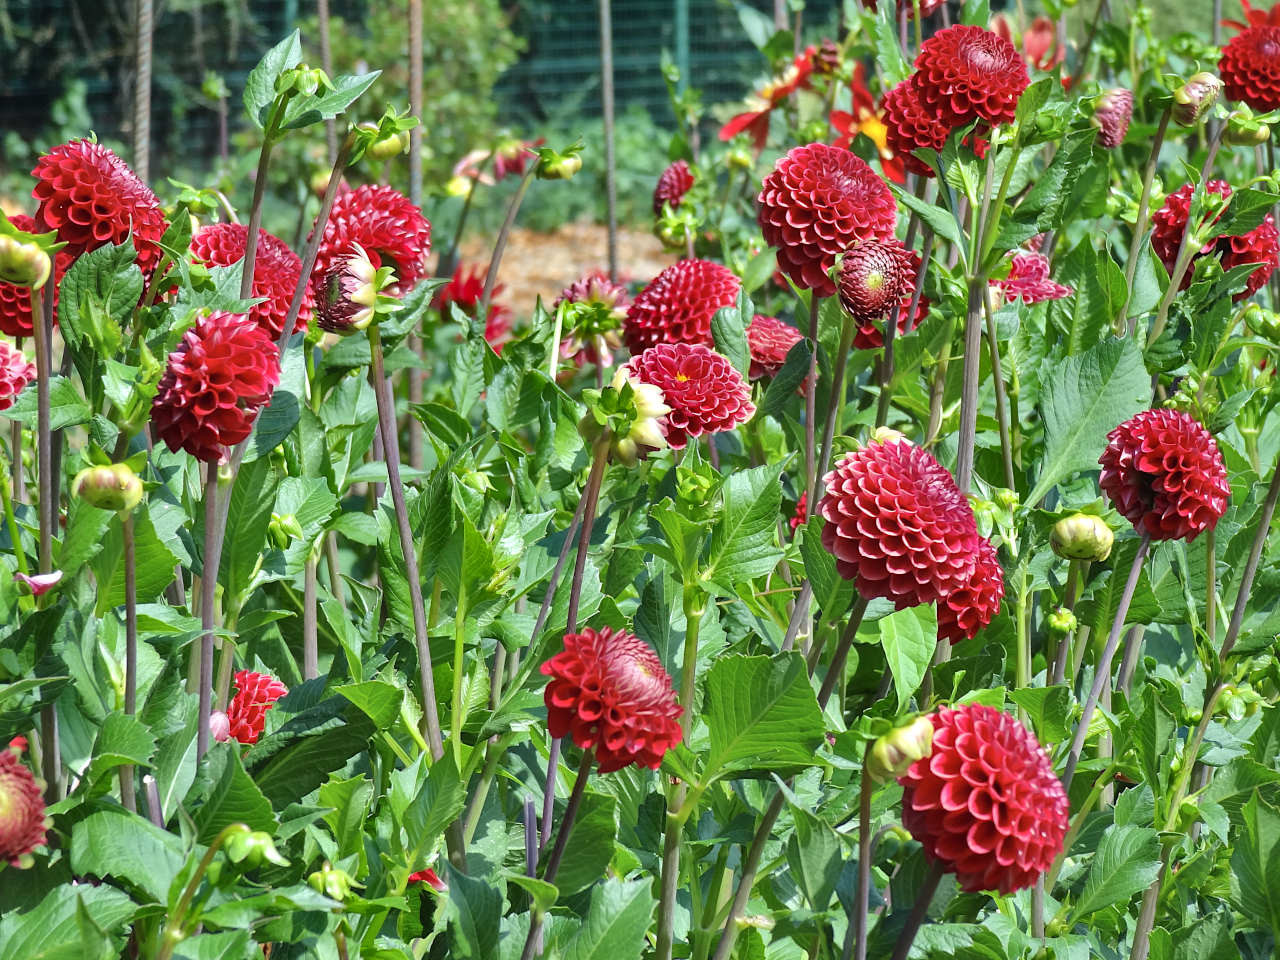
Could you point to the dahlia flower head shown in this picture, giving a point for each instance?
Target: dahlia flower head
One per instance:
(610, 692)
(596, 320)
(801, 513)
(218, 379)
(870, 335)
(91, 198)
(816, 203)
(673, 184)
(1040, 47)
(755, 121)
(465, 290)
(15, 373)
(769, 341)
(965, 73)
(897, 524)
(910, 126)
(1112, 116)
(1261, 245)
(874, 276)
(246, 715)
(1250, 63)
(971, 606)
(985, 803)
(15, 301)
(1163, 472)
(1028, 280)
(677, 305)
(702, 388)
(386, 224)
(348, 295)
(276, 269)
(23, 823)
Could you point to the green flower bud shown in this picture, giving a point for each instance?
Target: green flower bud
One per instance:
(1062, 620)
(894, 753)
(739, 158)
(115, 487)
(1195, 98)
(284, 529)
(333, 882)
(23, 264)
(1243, 130)
(1082, 536)
(563, 167)
(250, 847)
(1264, 323)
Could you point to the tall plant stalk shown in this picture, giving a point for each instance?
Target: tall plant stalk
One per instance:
(127, 797)
(500, 246)
(42, 329)
(144, 21)
(214, 528)
(610, 150)
(532, 941)
(1123, 320)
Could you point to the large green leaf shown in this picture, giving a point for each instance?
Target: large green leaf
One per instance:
(121, 740)
(1126, 863)
(115, 843)
(816, 857)
(232, 796)
(52, 931)
(66, 407)
(1255, 877)
(427, 800)
(908, 638)
(589, 849)
(744, 540)
(295, 759)
(729, 331)
(327, 104)
(616, 922)
(153, 561)
(260, 85)
(252, 499)
(474, 916)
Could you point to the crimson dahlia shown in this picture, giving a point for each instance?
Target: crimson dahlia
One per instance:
(15, 373)
(874, 275)
(22, 818)
(674, 183)
(705, 393)
(677, 305)
(465, 290)
(965, 73)
(386, 224)
(971, 606)
(910, 126)
(1250, 64)
(1029, 281)
(276, 269)
(256, 693)
(769, 340)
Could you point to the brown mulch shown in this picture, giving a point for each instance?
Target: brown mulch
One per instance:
(543, 264)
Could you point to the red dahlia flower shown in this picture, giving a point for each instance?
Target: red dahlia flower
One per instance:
(218, 379)
(965, 73)
(909, 126)
(985, 803)
(873, 277)
(970, 607)
(705, 393)
(256, 693)
(770, 340)
(678, 304)
(1163, 472)
(898, 525)
(674, 183)
(756, 120)
(868, 121)
(22, 818)
(1112, 116)
(870, 335)
(15, 302)
(1250, 64)
(817, 202)
(1029, 280)
(276, 269)
(465, 290)
(610, 692)
(15, 373)
(88, 194)
(389, 227)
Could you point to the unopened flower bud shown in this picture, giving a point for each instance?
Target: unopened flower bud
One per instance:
(320, 182)
(739, 158)
(1244, 130)
(642, 422)
(331, 881)
(250, 847)
(283, 529)
(894, 753)
(1062, 620)
(1112, 116)
(219, 726)
(458, 186)
(559, 167)
(23, 264)
(1082, 536)
(348, 294)
(114, 487)
(1193, 99)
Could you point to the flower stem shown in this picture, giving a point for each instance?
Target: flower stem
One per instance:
(973, 333)
(500, 246)
(837, 400)
(310, 640)
(918, 911)
(1002, 400)
(449, 257)
(836, 670)
(42, 327)
(864, 859)
(811, 396)
(1076, 573)
(213, 533)
(174, 931)
(130, 650)
(11, 521)
(1140, 225)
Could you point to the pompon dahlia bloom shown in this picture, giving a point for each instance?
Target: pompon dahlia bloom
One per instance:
(217, 380)
(873, 276)
(22, 818)
(465, 290)
(870, 336)
(389, 227)
(256, 693)
(898, 525)
(1029, 281)
(816, 203)
(610, 692)
(769, 340)
(969, 608)
(15, 302)
(92, 198)
(705, 393)
(985, 803)
(347, 297)
(276, 269)
(1261, 245)
(673, 184)
(756, 120)
(15, 373)
(1163, 472)
(909, 126)
(677, 305)
(966, 73)
(1250, 64)
(1112, 116)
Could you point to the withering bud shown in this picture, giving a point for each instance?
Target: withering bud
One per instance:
(1082, 536)
(894, 753)
(1193, 99)
(23, 264)
(1112, 116)
(114, 487)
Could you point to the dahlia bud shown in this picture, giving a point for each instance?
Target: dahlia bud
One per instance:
(250, 847)
(894, 753)
(320, 182)
(1112, 116)
(1193, 99)
(694, 489)
(38, 584)
(332, 881)
(115, 487)
(1082, 536)
(739, 158)
(384, 146)
(283, 529)
(219, 726)
(1062, 620)
(23, 264)
(1243, 129)
(675, 227)
(558, 165)
(888, 435)
(348, 295)
(870, 279)
(634, 410)
(1264, 323)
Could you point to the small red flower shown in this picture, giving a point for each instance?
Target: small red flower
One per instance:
(1250, 64)
(678, 304)
(218, 379)
(970, 607)
(386, 224)
(674, 183)
(610, 692)
(256, 693)
(756, 120)
(465, 290)
(1112, 116)
(985, 803)
(1029, 280)
(276, 269)
(870, 335)
(965, 73)
(22, 818)
(873, 277)
(15, 373)
(898, 525)
(705, 393)
(1163, 472)
(909, 126)
(770, 340)
(802, 511)
(92, 198)
(15, 302)
(816, 203)
(429, 877)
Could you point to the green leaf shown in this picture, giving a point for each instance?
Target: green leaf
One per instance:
(744, 540)
(230, 945)
(816, 857)
(107, 278)
(908, 638)
(1126, 863)
(260, 85)
(1049, 709)
(1247, 209)
(831, 592)
(252, 499)
(296, 758)
(729, 332)
(378, 698)
(304, 111)
(1233, 785)
(762, 714)
(66, 407)
(616, 923)
(232, 796)
(114, 843)
(758, 271)
(1085, 397)
(590, 846)
(782, 389)
(436, 805)
(1255, 877)
(543, 894)
(122, 740)
(51, 930)
(474, 915)
(153, 561)
(349, 800)
(888, 50)
(939, 219)
(466, 564)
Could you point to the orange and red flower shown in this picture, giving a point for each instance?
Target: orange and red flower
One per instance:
(756, 120)
(866, 120)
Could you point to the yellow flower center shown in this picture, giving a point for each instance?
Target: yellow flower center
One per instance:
(681, 378)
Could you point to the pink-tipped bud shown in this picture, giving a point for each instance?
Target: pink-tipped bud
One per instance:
(348, 293)
(1193, 99)
(1112, 116)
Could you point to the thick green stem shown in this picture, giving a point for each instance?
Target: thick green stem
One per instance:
(130, 650)
(174, 929)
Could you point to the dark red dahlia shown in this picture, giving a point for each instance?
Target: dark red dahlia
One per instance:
(1261, 245)
(1029, 281)
(678, 304)
(802, 512)
(898, 525)
(874, 275)
(276, 269)
(1250, 64)
(674, 183)
(256, 693)
(22, 818)
(705, 393)
(970, 607)
(985, 803)
(218, 379)
(1163, 472)
(966, 73)
(870, 336)
(465, 290)
(909, 126)
(770, 340)
(386, 224)
(1112, 116)
(817, 202)
(610, 692)
(92, 198)
(15, 302)
(15, 373)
